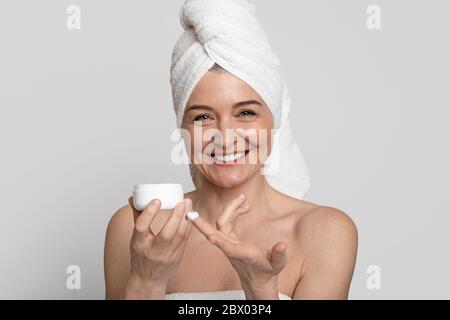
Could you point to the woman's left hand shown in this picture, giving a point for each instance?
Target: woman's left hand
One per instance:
(257, 268)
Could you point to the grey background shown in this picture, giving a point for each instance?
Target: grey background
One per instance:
(86, 114)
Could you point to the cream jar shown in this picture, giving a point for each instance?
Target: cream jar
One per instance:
(168, 193)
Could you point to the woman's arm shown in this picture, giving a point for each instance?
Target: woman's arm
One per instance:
(330, 258)
(117, 253)
(139, 263)
(119, 283)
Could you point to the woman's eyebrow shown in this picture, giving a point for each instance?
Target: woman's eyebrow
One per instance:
(236, 105)
(199, 106)
(247, 102)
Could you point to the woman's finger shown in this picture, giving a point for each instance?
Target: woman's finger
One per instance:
(170, 227)
(207, 229)
(225, 220)
(278, 256)
(185, 236)
(234, 250)
(145, 218)
(136, 212)
(184, 227)
(201, 224)
(241, 210)
(230, 249)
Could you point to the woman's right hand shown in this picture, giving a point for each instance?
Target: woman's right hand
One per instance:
(156, 258)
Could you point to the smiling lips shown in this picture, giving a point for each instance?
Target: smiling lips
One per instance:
(228, 160)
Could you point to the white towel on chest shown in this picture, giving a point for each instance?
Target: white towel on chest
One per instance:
(227, 33)
(214, 295)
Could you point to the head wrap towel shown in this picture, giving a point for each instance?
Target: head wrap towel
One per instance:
(227, 33)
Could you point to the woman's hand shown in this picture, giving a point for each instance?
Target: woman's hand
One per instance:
(156, 258)
(258, 269)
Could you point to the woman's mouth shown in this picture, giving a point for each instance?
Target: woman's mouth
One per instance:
(227, 160)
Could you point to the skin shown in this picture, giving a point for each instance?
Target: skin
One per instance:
(249, 236)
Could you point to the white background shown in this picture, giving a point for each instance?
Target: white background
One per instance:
(85, 114)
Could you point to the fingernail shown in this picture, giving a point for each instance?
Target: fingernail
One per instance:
(241, 196)
(192, 215)
(156, 202)
(182, 206)
(188, 201)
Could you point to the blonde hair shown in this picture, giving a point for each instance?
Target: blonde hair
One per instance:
(217, 68)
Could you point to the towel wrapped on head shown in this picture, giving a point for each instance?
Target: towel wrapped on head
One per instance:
(227, 33)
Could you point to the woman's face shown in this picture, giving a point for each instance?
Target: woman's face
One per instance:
(229, 128)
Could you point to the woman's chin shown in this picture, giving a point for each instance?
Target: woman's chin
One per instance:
(229, 183)
(231, 177)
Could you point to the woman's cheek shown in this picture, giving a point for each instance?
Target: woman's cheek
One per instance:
(263, 144)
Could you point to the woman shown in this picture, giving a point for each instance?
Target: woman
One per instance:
(245, 232)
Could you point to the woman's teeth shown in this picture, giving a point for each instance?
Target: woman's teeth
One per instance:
(230, 157)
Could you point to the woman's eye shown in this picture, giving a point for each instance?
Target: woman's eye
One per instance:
(201, 117)
(247, 113)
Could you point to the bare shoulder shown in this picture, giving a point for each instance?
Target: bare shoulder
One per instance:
(119, 230)
(122, 217)
(326, 223)
(116, 251)
(331, 218)
(329, 240)
(327, 233)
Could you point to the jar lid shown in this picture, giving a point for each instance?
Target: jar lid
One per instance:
(159, 186)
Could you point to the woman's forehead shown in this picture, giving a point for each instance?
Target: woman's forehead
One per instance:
(218, 88)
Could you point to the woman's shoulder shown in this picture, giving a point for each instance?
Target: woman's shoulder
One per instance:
(309, 216)
(326, 227)
(322, 217)
(121, 218)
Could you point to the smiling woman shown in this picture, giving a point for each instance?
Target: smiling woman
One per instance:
(223, 103)
(245, 232)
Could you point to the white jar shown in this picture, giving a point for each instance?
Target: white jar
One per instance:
(168, 193)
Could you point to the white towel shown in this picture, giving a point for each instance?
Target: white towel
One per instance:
(214, 295)
(227, 33)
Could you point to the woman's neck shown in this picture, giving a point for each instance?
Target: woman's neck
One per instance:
(211, 199)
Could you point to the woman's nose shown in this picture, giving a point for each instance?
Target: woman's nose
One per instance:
(224, 123)
(231, 136)
(226, 132)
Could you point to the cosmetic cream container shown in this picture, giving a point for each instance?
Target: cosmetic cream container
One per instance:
(168, 193)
